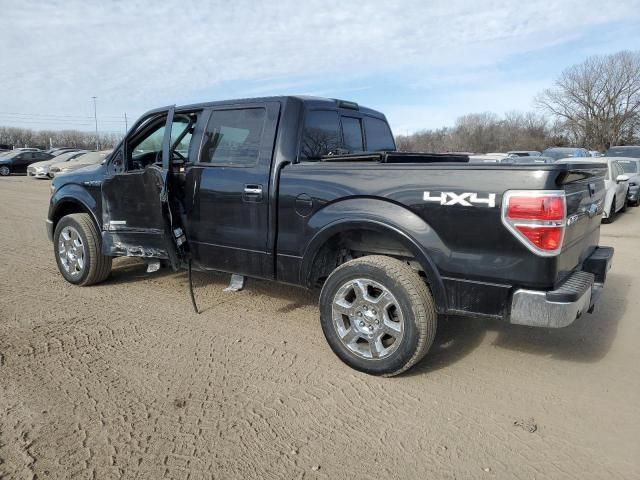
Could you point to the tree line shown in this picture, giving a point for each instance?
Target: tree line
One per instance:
(593, 105)
(26, 137)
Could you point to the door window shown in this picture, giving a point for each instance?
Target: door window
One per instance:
(352, 134)
(378, 135)
(148, 148)
(320, 135)
(233, 137)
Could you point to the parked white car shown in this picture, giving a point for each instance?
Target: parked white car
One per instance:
(616, 184)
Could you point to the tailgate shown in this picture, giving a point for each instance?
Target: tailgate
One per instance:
(585, 191)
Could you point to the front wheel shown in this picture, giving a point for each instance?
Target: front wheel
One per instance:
(5, 171)
(77, 248)
(377, 315)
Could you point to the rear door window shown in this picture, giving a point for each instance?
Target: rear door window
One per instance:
(378, 135)
(320, 135)
(352, 134)
(233, 137)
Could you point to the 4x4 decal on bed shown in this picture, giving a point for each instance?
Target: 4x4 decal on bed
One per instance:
(466, 199)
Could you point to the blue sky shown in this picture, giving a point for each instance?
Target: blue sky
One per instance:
(422, 63)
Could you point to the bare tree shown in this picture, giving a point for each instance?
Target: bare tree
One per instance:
(598, 101)
(24, 137)
(484, 132)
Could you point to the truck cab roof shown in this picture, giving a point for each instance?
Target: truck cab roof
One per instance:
(307, 100)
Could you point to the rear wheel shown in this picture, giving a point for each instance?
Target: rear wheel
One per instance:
(77, 248)
(5, 171)
(377, 315)
(624, 205)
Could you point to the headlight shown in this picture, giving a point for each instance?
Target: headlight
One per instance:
(633, 184)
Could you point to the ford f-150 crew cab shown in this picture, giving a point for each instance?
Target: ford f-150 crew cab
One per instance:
(311, 192)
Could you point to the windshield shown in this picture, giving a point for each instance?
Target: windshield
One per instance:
(65, 157)
(629, 166)
(89, 158)
(558, 153)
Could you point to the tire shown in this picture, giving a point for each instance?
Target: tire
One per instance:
(377, 340)
(80, 236)
(5, 171)
(624, 206)
(612, 212)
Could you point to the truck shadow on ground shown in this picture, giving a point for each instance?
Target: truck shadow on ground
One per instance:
(588, 339)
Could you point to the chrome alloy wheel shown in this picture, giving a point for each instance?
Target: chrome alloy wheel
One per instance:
(4, 170)
(71, 251)
(367, 318)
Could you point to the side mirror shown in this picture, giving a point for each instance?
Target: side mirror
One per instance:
(622, 178)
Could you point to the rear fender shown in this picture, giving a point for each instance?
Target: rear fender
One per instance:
(384, 217)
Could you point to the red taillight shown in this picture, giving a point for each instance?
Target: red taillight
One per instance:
(536, 218)
(545, 238)
(536, 208)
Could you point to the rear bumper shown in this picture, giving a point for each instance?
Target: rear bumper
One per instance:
(559, 308)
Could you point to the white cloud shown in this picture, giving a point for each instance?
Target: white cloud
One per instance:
(138, 55)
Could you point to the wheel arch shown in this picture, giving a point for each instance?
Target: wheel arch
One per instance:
(71, 200)
(401, 230)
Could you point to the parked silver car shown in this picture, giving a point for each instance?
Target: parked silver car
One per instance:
(91, 158)
(41, 169)
(616, 185)
(631, 167)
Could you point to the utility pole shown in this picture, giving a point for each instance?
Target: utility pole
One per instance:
(95, 117)
(126, 125)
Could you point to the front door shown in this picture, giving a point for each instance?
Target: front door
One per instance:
(137, 215)
(227, 191)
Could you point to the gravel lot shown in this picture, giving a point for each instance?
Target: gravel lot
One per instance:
(123, 380)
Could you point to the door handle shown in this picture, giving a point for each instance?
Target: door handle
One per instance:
(253, 189)
(252, 193)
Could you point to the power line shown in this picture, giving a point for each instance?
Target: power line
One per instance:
(57, 115)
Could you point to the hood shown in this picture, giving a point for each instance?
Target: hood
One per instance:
(44, 163)
(84, 173)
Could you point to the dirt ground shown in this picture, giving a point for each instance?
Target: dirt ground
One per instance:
(123, 380)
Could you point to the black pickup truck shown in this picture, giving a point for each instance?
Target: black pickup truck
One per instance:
(311, 192)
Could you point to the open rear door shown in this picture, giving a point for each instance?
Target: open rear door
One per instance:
(137, 220)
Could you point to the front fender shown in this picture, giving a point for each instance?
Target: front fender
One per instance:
(385, 217)
(72, 193)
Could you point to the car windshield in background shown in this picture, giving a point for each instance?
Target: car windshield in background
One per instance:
(624, 152)
(558, 153)
(89, 158)
(629, 166)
